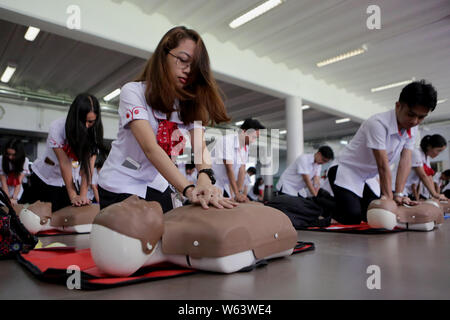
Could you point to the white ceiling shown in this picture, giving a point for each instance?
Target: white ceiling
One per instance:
(414, 41)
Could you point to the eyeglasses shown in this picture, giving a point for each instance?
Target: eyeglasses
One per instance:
(181, 63)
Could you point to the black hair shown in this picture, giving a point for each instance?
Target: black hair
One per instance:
(434, 141)
(84, 142)
(419, 93)
(256, 185)
(251, 170)
(447, 173)
(19, 159)
(189, 166)
(101, 157)
(326, 152)
(252, 124)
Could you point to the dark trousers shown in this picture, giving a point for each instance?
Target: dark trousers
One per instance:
(447, 193)
(108, 198)
(41, 191)
(280, 193)
(350, 209)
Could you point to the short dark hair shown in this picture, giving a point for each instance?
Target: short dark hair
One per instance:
(189, 166)
(434, 141)
(251, 170)
(252, 124)
(419, 93)
(447, 173)
(326, 152)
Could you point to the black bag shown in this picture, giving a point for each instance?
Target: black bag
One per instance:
(303, 212)
(14, 237)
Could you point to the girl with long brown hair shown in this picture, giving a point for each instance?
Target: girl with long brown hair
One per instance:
(175, 94)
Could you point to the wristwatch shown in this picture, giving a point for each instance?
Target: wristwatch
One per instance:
(399, 194)
(210, 174)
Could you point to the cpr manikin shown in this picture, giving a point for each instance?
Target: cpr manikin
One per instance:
(387, 214)
(134, 233)
(38, 217)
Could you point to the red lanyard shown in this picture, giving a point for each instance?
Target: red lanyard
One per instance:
(166, 138)
(13, 179)
(68, 150)
(428, 170)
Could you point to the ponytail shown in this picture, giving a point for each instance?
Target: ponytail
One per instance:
(434, 141)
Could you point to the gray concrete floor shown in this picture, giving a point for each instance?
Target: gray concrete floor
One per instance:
(413, 265)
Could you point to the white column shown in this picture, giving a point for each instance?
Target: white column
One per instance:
(294, 127)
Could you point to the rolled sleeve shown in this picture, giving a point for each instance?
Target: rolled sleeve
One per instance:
(132, 105)
(303, 165)
(376, 135)
(416, 159)
(56, 135)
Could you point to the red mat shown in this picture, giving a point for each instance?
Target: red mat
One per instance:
(362, 228)
(51, 264)
(55, 232)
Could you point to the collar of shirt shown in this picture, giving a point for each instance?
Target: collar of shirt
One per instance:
(174, 117)
(393, 125)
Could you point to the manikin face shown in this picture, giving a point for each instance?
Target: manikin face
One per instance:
(179, 60)
(409, 117)
(91, 117)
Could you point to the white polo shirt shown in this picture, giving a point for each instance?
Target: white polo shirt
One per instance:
(25, 171)
(291, 181)
(50, 171)
(228, 148)
(418, 160)
(127, 168)
(357, 163)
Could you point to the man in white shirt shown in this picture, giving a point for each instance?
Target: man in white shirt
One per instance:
(378, 143)
(304, 173)
(230, 157)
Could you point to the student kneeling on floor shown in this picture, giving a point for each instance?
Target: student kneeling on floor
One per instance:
(304, 172)
(379, 141)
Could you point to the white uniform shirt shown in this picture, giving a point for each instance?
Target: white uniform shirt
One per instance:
(247, 181)
(127, 168)
(418, 160)
(227, 148)
(51, 173)
(76, 177)
(423, 190)
(357, 163)
(291, 181)
(25, 171)
(192, 178)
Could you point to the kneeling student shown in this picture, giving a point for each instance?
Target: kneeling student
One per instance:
(304, 172)
(422, 173)
(379, 141)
